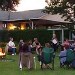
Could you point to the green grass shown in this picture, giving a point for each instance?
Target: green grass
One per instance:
(12, 68)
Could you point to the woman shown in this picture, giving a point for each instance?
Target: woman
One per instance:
(46, 55)
(54, 42)
(26, 56)
(66, 44)
(62, 56)
(21, 43)
(36, 45)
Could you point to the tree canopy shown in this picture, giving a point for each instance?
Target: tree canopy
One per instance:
(8, 4)
(63, 7)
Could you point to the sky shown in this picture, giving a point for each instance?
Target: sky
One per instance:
(31, 5)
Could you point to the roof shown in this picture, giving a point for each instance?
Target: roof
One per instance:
(8, 16)
(55, 18)
(3, 15)
(23, 15)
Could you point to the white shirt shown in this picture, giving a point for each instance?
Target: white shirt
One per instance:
(11, 44)
(54, 41)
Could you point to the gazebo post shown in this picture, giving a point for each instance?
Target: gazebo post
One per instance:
(32, 25)
(69, 35)
(53, 31)
(62, 35)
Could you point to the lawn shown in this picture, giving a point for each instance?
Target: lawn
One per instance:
(11, 68)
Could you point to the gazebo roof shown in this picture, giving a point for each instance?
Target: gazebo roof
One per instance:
(55, 17)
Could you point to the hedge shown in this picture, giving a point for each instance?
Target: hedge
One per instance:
(43, 35)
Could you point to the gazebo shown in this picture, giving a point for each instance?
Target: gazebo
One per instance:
(52, 20)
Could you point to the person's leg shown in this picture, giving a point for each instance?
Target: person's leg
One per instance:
(55, 47)
(31, 60)
(13, 51)
(20, 61)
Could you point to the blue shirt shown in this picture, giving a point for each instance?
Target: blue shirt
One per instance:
(62, 56)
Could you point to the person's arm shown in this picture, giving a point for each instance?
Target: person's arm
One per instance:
(34, 44)
(9, 44)
(13, 44)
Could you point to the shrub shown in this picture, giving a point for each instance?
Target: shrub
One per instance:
(43, 35)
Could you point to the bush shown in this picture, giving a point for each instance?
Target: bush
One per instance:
(43, 35)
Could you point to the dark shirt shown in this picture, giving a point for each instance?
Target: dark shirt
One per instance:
(25, 48)
(20, 47)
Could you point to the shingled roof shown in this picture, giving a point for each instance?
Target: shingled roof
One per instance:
(24, 15)
(30, 15)
(4, 15)
(55, 17)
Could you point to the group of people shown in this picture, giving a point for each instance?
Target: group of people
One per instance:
(26, 48)
(26, 58)
(65, 47)
(25, 51)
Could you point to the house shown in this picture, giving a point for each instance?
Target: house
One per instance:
(29, 19)
(20, 20)
(32, 19)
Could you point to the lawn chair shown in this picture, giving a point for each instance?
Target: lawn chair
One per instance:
(2, 54)
(70, 57)
(47, 57)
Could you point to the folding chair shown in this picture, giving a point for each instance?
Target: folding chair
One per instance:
(70, 57)
(48, 58)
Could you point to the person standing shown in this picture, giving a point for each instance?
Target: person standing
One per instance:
(21, 43)
(54, 42)
(26, 57)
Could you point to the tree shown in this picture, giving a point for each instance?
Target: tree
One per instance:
(8, 4)
(63, 7)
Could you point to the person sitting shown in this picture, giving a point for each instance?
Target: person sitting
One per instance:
(62, 56)
(36, 45)
(66, 44)
(46, 53)
(11, 47)
(72, 46)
